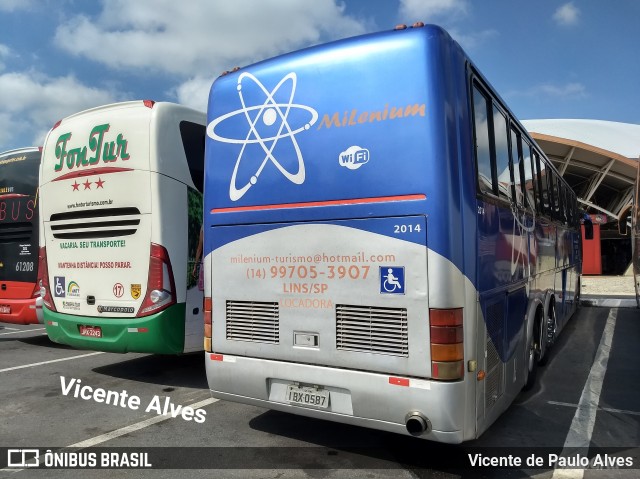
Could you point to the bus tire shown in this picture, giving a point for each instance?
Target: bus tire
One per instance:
(532, 358)
(548, 338)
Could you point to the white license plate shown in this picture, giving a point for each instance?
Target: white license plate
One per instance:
(91, 331)
(5, 309)
(307, 396)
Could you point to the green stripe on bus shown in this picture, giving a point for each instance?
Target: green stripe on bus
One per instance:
(164, 331)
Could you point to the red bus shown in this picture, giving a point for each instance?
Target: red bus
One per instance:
(20, 301)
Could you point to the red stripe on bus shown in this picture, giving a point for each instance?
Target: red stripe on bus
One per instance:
(355, 201)
(93, 171)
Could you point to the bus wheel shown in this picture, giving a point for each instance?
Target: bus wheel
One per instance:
(550, 337)
(532, 359)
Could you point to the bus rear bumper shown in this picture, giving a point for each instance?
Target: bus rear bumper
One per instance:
(359, 398)
(161, 333)
(23, 311)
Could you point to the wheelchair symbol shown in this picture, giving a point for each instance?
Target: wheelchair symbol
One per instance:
(391, 280)
(59, 286)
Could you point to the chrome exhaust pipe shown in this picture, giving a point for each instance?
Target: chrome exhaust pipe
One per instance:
(417, 424)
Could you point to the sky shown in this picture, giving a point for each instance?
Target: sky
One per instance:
(546, 58)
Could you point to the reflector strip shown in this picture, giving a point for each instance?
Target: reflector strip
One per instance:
(412, 383)
(138, 330)
(52, 323)
(222, 357)
(399, 381)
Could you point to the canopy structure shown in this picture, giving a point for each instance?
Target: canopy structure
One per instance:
(598, 159)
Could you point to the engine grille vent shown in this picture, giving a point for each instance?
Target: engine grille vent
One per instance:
(255, 321)
(494, 383)
(372, 329)
(102, 223)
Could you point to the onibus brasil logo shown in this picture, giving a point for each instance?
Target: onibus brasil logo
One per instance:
(259, 118)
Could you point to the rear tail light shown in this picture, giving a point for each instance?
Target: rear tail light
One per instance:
(161, 288)
(447, 344)
(43, 286)
(207, 323)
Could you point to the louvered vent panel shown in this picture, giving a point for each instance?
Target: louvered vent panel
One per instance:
(99, 223)
(370, 329)
(494, 379)
(255, 321)
(19, 231)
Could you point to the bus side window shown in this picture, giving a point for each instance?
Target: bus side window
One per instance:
(516, 158)
(557, 200)
(193, 136)
(549, 177)
(565, 205)
(544, 190)
(503, 169)
(483, 147)
(530, 177)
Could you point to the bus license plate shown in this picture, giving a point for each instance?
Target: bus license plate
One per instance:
(5, 308)
(91, 331)
(307, 396)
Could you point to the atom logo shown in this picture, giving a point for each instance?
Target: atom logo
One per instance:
(263, 118)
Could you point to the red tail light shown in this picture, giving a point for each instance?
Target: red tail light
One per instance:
(161, 287)
(43, 280)
(447, 343)
(207, 323)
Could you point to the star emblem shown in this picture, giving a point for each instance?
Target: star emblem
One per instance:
(99, 183)
(87, 185)
(75, 186)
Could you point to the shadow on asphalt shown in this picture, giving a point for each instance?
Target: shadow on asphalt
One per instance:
(186, 370)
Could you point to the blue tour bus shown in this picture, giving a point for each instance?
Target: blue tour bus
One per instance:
(635, 236)
(385, 245)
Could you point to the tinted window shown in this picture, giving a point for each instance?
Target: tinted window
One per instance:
(556, 201)
(502, 154)
(544, 186)
(483, 152)
(193, 136)
(530, 177)
(517, 173)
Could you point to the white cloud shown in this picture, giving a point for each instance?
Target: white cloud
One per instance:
(194, 92)
(5, 51)
(448, 14)
(33, 103)
(426, 10)
(13, 5)
(566, 15)
(201, 37)
(471, 40)
(549, 90)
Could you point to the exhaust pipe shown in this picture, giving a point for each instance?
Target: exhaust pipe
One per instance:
(417, 424)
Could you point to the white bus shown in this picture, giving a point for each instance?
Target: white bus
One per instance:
(121, 215)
